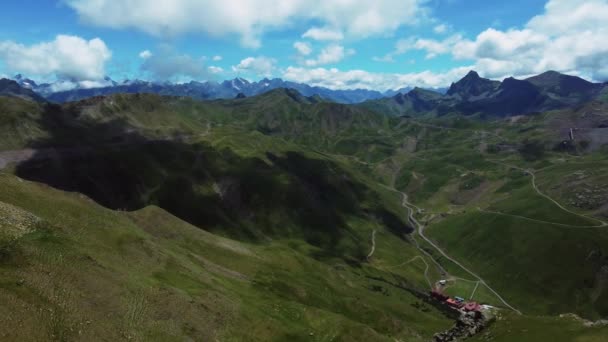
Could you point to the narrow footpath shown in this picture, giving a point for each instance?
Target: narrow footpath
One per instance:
(371, 253)
(535, 187)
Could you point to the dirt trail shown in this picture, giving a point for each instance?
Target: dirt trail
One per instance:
(535, 220)
(455, 128)
(474, 290)
(426, 269)
(373, 245)
(533, 174)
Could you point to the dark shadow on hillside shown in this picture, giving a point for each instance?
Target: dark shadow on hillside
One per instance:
(292, 196)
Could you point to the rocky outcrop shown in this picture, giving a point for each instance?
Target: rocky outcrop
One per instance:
(467, 325)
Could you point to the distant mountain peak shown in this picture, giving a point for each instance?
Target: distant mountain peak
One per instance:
(472, 85)
(551, 72)
(24, 81)
(241, 80)
(472, 75)
(562, 84)
(12, 88)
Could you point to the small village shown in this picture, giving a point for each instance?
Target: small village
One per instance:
(473, 316)
(456, 303)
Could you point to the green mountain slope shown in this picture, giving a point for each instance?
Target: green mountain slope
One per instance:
(78, 271)
(282, 216)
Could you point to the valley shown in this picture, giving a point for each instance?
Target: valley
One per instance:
(286, 217)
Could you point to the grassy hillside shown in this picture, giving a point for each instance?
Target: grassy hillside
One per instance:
(303, 221)
(81, 272)
(259, 216)
(532, 329)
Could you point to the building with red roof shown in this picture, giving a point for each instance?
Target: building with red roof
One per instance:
(472, 306)
(454, 303)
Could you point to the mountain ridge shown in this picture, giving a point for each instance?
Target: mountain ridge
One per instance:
(476, 95)
(14, 89)
(57, 92)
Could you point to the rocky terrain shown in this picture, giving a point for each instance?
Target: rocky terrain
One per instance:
(468, 325)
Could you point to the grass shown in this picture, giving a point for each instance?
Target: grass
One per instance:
(535, 271)
(533, 328)
(181, 281)
(277, 203)
(527, 203)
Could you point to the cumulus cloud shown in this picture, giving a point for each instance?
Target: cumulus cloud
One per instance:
(336, 79)
(250, 19)
(333, 53)
(215, 69)
(432, 47)
(440, 29)
(303, 48)
(324, 33)
(69, 84)
(166, 64)
(66, 57)
(145, 54)
(570, 36)
(217, 58)
(260, 66)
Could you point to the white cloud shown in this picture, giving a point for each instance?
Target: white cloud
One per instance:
(260, 66)
(385, 58)
(335, 79)
(66, 57)
(65, 85)
(565, 16)
(333, 53)
(570, 36)
(303, 48)
(217, 58)
(215, 69)
(145, 54)
(250, 19)
(432, 47)
(167, 64)
(440, 29)
(324, 33)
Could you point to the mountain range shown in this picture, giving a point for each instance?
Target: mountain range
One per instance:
(470, 95)
(476, 95)
(57, 92)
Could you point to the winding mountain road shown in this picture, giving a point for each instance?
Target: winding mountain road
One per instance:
(420, 230)
(445, 255)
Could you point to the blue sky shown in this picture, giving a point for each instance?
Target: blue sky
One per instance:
(334, 43)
